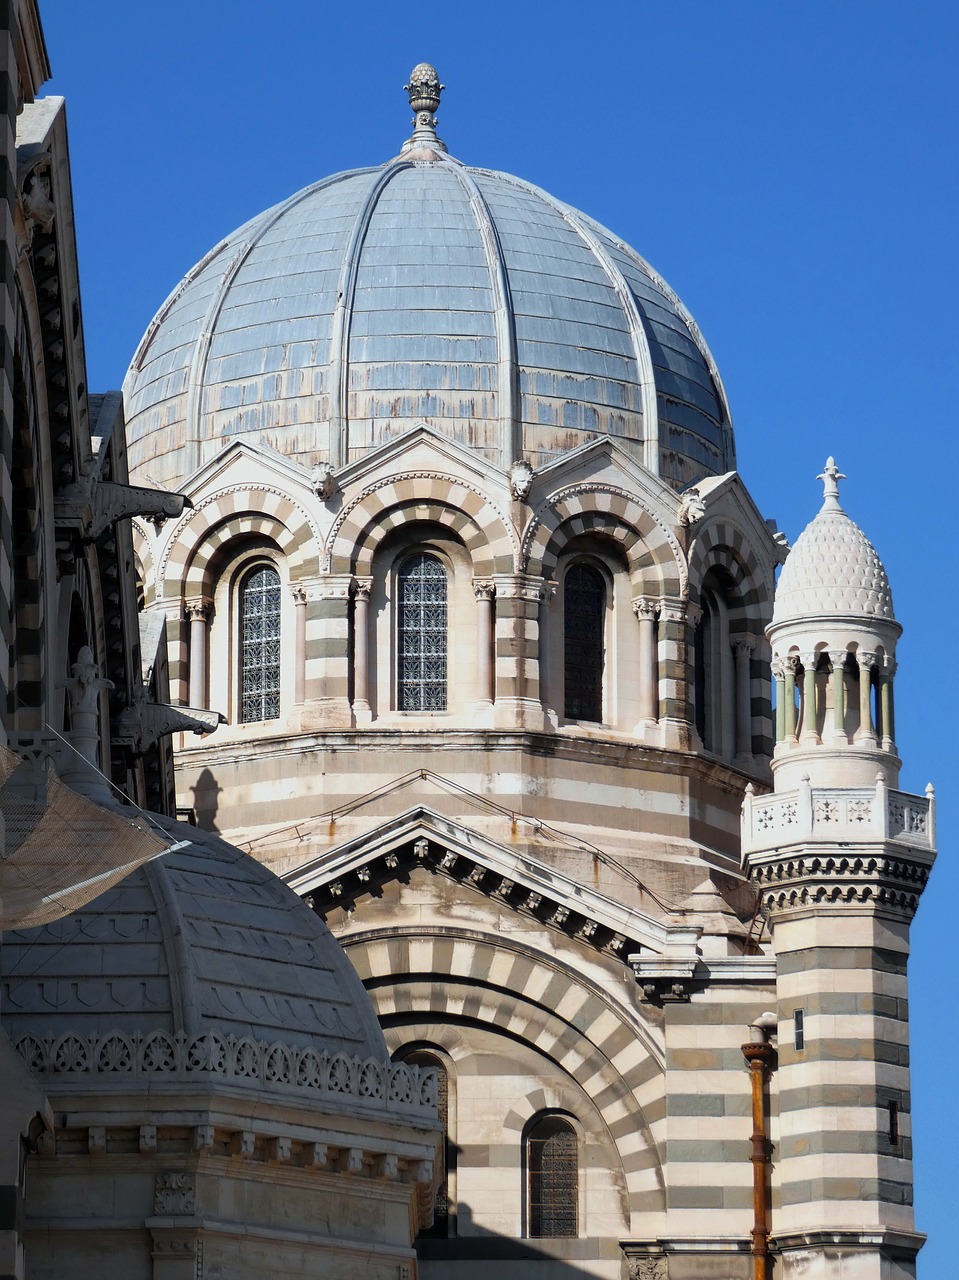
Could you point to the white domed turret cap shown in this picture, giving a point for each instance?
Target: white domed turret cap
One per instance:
(833, 571)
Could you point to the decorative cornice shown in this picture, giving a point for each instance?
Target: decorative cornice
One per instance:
(148, 1059)
(419, 838)
(823, 847)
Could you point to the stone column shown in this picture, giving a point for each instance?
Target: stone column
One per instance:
(779, 678)
(299, 656)
(646, 611)
(362, 712)
(866, 731)
(810, 732)
(485, 593)
(198, 617)
(838, 659)
(743, 648)
(789, 721)
(886, 675)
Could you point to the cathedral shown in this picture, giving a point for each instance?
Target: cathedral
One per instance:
(534, 884)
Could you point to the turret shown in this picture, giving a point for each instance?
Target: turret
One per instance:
(833, 638)
(840, 859)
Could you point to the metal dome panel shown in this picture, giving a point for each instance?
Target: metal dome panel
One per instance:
(424, 291)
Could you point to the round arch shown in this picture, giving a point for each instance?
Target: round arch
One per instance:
(425, 496)
(441, 981)
(250, 511)
(655, 560)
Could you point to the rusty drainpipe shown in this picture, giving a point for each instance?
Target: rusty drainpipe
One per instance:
(761, 1058)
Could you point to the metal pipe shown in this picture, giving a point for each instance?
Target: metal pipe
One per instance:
(761, 1058)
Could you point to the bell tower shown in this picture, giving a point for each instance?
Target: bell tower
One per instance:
(840, 857)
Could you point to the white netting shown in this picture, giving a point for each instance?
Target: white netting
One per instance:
(61, 850)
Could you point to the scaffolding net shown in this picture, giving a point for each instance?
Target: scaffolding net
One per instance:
(60, 850)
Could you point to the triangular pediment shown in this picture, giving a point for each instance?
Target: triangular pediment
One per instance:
(421, 447)
(248, 463)
(421, 838)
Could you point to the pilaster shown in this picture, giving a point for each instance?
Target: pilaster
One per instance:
(517, 700)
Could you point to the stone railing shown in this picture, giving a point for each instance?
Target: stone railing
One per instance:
(148, 1059)
(838, 813)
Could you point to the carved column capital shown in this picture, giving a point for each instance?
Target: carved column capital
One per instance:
(483, 589)
(198, 609)
(743, 644)
(362, 588)
(646, 607)
(868, 661)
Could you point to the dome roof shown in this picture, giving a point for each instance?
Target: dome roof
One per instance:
(424, 290)
(203, 939)
(833, 570)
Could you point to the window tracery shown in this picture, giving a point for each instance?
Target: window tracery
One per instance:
(552, 1164)
(584, 626)
(422, 640)
(259, 617)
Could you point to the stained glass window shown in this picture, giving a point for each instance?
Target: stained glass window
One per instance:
(553, 1174)
(584, 625)
(422, 634)
(260, 646)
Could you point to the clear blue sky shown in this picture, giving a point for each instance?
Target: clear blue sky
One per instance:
(789, 168)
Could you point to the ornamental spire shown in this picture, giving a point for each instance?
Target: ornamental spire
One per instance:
(830, 478)
(424, 90)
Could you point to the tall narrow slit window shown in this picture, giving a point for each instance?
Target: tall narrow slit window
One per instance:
(441, 1214)
(260, 645)
(552, 1162)
(422, 634)
(584, 626)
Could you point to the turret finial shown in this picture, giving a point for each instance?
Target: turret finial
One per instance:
(424, 90)
(830, 478)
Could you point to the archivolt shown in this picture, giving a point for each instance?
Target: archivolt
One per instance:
(722, 543)
(655, 558)
(436, 978)
(240, 511)
(422, 495)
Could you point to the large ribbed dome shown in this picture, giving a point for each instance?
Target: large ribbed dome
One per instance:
(201, 940)
(833, 570)
(424, 290)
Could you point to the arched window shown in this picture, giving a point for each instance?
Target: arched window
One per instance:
(584, 626)
(552, 1172)
(422, 634)
(260, 645)
(714, 679)
(441, 1215)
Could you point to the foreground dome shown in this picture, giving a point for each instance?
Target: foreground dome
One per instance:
(203, 940)
(424, 290)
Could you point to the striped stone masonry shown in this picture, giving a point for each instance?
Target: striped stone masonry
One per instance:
(327, 650)
(9, 91)
(517, 651)
(840, 872)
